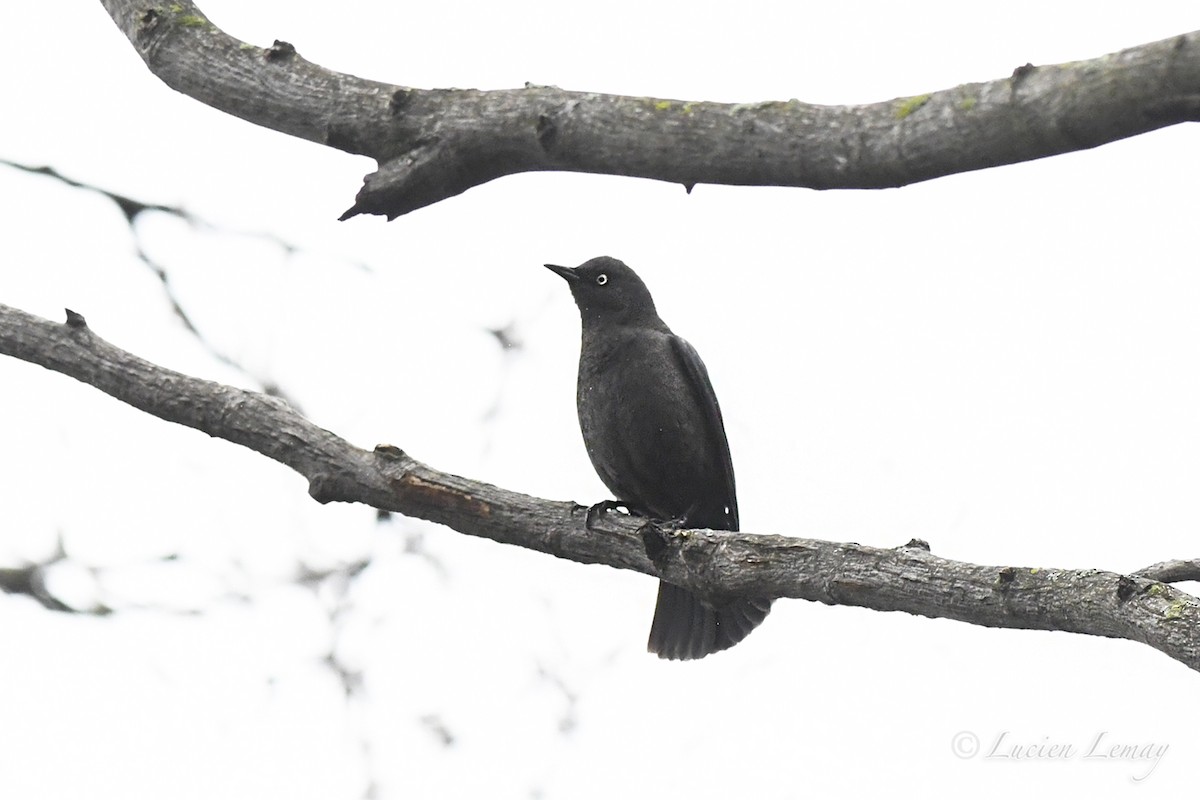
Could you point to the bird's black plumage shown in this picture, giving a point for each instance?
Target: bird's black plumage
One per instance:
(653, 430)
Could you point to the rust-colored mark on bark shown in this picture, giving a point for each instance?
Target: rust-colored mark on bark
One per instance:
(417, 490)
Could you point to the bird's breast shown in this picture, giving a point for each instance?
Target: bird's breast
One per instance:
(642, 426)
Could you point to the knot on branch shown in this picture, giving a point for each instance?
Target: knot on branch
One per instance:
(1005, 578)
(657, 543)
(279, 51)
(418, 177)
(323, 488)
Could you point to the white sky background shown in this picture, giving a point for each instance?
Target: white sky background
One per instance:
(1003, 363)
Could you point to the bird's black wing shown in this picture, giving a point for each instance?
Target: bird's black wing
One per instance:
(706, 399)
(685, 625)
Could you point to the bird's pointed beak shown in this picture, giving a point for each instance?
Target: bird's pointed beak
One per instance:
(568, 273)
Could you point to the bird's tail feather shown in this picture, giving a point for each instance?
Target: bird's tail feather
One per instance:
(685, 627)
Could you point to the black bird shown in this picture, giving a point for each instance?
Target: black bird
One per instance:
(654, 433)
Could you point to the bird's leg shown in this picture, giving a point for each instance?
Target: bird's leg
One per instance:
(600, 509)
(604, 506)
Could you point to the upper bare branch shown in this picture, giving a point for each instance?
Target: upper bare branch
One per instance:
(436, 143)
(712, 563)
(1173, 571)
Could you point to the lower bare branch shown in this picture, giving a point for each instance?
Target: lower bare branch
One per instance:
(909, 578)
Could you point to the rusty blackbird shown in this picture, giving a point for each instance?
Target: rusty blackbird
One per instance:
(654, 433)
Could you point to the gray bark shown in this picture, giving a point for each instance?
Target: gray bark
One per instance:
(909, 578)
(432, 144)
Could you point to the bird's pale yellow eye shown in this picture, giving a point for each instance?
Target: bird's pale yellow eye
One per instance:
(601, 279)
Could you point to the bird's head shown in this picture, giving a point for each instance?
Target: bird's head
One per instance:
(607, 291)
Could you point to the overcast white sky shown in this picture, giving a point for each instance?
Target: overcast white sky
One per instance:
(1003, 363)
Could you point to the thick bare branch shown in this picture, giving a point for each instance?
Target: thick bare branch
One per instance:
(713, 563)
(436, 143)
